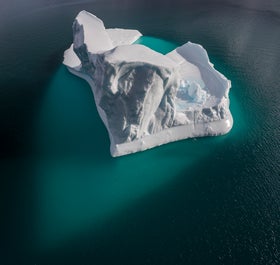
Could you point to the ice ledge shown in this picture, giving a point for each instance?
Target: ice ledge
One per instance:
(173, 134)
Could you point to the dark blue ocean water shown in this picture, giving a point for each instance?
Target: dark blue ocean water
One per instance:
(64, 200)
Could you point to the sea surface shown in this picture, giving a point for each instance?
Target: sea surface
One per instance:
(65, 200)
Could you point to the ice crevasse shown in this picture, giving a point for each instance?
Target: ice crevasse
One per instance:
(143, 97)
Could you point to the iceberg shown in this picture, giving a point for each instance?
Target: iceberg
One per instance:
(145, 98)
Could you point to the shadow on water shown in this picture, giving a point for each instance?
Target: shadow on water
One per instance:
(68, 123)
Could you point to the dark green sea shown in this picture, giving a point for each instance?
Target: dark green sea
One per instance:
(65, 200)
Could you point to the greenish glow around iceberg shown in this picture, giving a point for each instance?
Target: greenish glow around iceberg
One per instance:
(157, 44)
(79, 186)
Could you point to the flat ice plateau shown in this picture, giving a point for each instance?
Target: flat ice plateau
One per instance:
(145, 98)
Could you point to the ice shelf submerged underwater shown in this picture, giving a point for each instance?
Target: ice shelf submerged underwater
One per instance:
(146, 98)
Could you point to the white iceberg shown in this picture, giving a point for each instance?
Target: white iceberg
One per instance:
(145, 98)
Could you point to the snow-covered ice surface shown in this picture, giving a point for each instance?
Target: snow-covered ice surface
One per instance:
(145, 98)
(123, 36)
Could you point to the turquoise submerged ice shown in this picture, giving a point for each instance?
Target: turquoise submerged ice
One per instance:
(190, 94)
(145, 98)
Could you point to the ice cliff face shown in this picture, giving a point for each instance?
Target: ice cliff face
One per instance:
(143, 97)
(138, 95)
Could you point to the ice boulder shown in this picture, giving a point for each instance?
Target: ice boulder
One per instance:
(145, 98)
